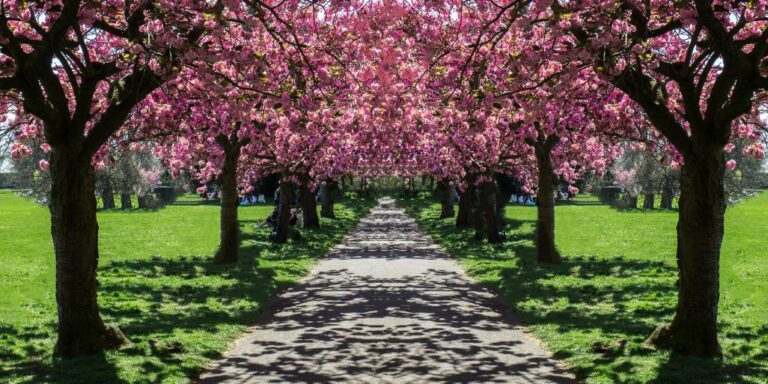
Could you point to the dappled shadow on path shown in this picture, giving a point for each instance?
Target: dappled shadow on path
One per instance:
(597, 311)
(387, 306)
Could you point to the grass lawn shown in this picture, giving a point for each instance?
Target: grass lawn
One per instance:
(157, 282)
(617, 282)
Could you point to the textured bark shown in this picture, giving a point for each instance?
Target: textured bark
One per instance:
(327, 199)
(699, 235)
(546, 250)
(446, 200)
(108, 196)
(309, 208)
(125, 201)
(489, 212)
(466, 203)
(75, 231)
(229, 242)
(283, 228)
(650, 201)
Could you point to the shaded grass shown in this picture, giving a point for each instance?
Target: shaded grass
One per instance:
(156, 280)
(617, 282)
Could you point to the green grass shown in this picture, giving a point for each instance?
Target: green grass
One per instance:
(617, 282)
(157, 282)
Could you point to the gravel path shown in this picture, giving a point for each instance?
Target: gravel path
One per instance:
(386, 306)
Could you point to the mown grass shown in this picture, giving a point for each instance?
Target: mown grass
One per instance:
(617, 282)
(156, 280)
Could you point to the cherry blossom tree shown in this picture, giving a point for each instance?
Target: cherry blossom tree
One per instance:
(73, 72)
(698, 70)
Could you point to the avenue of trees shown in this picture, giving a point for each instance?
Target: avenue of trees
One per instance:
(537, 91)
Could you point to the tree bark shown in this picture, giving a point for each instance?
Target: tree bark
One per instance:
(667, 195)
(75, 231)
(309, 207)
(327, 199)
(108, 196)
(649, 201)
(489, 212)
(229, 242)
(466, 203)
(546, 250)
(125, 201)
(144, 201)
(699, 236)
(501, 204)
(446, 199)
(283, 228)
(630, 201)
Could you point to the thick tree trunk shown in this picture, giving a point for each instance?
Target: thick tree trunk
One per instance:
(466, 203)
(699, 236)
(125, 201)
(446, 199)
(75, 238)
(229, 242)
(650, 201)
(283, 228)
(489, 212)
(546, 250)
(309, 208)
(327, 199)
(108, 196)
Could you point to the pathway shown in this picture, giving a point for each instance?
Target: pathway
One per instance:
(386, 306)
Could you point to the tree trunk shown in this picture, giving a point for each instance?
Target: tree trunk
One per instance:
(309, 207)
(446, 199)
(501, 205)
(489, 212)
(108, 196)
(546, 250)
(630, 201)
(125, 200)
(667, 195)
(650, 201)
(699, 236)
(144, 201)
(75, 232)
(466, 203)
(327, 199)
(229, 228)
(283, 228)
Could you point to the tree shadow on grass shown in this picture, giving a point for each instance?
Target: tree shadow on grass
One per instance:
(24, 353)
(179, 312)
(741, 365)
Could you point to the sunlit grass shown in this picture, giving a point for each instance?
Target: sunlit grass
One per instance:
(157, 281)
(617, 282)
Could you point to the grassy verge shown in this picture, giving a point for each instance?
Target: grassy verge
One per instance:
(157, 282)
(618, 281)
